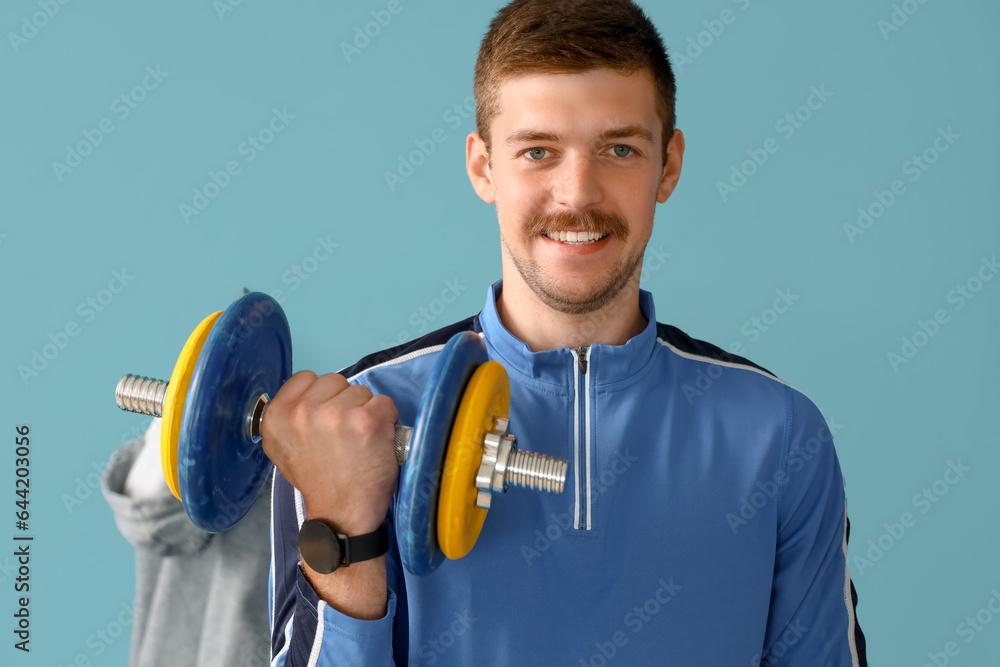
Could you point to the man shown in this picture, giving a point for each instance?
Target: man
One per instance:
(699, 526)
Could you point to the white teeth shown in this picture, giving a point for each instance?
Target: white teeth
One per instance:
(575, 237)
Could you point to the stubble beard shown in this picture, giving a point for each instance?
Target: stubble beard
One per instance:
(557, 296)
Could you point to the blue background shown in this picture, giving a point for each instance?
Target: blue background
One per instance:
(324, 177)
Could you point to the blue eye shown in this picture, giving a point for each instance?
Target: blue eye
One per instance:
(536, 153)
(618, 150)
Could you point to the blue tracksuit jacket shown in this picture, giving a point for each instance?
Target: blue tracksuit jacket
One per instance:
(703, 522)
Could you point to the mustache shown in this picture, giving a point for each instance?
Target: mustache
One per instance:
(599, 222)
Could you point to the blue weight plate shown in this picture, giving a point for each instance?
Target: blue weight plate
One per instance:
(416, 505)
(221, 469)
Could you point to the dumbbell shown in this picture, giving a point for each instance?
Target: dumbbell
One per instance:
(457, 454)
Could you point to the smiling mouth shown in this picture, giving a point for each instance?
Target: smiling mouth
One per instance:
(576, 238)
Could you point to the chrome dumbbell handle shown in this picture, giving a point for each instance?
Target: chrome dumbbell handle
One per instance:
(503, 464)
(144, 395)
(401, 442)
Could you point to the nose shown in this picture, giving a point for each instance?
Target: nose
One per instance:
(577, 183)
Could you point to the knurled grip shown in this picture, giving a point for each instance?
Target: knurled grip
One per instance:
(401, 441)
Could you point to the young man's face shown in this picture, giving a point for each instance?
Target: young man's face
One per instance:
(577, 153)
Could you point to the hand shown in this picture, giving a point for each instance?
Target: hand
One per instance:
(334, 442)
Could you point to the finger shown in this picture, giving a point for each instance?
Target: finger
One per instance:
(355, 395)
(324, 388)
(294, 387)
(384, 408)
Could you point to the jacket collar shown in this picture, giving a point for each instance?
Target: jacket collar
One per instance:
(605, 363)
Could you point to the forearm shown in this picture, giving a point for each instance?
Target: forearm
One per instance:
(344, 617)
(358, 591)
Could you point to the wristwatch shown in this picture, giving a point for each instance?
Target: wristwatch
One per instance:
(324, 549)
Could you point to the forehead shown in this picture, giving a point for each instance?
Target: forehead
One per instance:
(585, 102)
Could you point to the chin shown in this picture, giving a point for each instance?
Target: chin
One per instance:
(573, 298)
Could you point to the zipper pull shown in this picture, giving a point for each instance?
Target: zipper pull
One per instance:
(581, 353)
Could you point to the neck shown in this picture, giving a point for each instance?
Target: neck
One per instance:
(542, 328)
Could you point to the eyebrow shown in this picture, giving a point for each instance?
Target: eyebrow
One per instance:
(621, 132)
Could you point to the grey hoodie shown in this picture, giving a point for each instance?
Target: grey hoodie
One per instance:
(200, 598)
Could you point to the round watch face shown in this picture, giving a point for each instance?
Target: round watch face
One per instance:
(319, 546)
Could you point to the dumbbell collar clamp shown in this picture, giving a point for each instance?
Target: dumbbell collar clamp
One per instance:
(491, 478)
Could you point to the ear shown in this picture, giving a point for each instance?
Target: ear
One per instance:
(477, 164)
(672, 169)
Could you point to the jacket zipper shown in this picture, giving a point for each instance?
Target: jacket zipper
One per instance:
(582, 520)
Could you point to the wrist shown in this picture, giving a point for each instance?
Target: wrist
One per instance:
(346, 516)
(326, 548)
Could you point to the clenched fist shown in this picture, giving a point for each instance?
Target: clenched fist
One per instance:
(334, 442)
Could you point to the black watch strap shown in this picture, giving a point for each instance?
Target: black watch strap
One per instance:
(325, 550)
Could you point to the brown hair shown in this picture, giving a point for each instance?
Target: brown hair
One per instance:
(568, 37)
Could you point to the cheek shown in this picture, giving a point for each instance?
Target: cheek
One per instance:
(645, 201)
(522, 197)
(523, 185)
(636, 195)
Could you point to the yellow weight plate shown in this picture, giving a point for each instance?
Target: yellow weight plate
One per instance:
(459, 519)
(173, 404)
